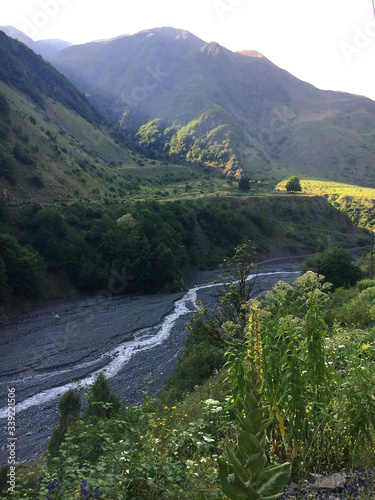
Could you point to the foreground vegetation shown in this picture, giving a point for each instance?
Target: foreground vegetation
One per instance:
(309, 353)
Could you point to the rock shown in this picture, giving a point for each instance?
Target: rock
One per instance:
(356, 484)
(292, 490)
(313, 478)
(332, 482)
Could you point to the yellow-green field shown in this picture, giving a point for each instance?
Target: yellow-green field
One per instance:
(329, 187)
(357, 202)
(319, 187)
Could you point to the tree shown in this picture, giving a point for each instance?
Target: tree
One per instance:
(69, 408)
(4, 213)
(151, 135)
(4, 106)
(102, 402)
(336, 265)
(244, 184)
(8, 166)
(5, 288)
(23, 267)
(293, 184)
(204, 350)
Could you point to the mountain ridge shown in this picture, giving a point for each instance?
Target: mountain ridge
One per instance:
(55, 147)
(186, 100)
(53, 144)
(43, 47)
(276, 124)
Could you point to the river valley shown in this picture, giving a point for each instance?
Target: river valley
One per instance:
(49, 349)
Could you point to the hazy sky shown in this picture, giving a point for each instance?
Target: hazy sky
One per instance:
(329, 43)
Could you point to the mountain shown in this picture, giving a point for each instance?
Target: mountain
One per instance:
(55, 146)
(189, 100)
(42, 47)
(27, 72)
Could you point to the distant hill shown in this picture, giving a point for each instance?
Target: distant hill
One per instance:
(42, 47)
(191, 100)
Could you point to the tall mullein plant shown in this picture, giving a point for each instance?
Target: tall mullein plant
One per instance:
(297, 387)
(317, 372)
(245, 475)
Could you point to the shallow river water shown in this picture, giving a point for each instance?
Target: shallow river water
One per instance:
(46, 351)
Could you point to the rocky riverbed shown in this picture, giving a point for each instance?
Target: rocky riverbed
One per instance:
(49, 349)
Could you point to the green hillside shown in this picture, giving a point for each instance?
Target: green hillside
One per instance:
(54, 145)
(27, 72)
(357, 202)
(81, 194)
(237, 112)
(54, 154)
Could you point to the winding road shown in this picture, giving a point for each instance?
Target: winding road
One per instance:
(48, 350)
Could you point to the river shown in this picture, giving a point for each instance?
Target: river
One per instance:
(49, 349)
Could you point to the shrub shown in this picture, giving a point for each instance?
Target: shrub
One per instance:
(355, 313)
(69, 408)
(197, 363)
(204, 347)
(4, 106)
(3, 478)
(368, 294)
(335, 264)
(363, 284)
(100, 393)
(244, 184)
(8, 166)
(37, 181)
(5, 288)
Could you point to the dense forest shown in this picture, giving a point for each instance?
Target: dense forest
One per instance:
(154, 245)
(195, 142)
(53, 251)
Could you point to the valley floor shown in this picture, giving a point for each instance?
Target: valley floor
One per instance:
(128, 338)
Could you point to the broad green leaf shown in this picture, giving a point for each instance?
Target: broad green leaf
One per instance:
(248, 442)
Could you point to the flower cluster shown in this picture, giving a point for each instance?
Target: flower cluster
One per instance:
(84, 493)
(213, 406)
(254, 340)
(52, 489)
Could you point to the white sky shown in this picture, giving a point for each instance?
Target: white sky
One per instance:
(329, 43)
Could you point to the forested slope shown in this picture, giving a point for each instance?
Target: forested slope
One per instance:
(149, 246)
